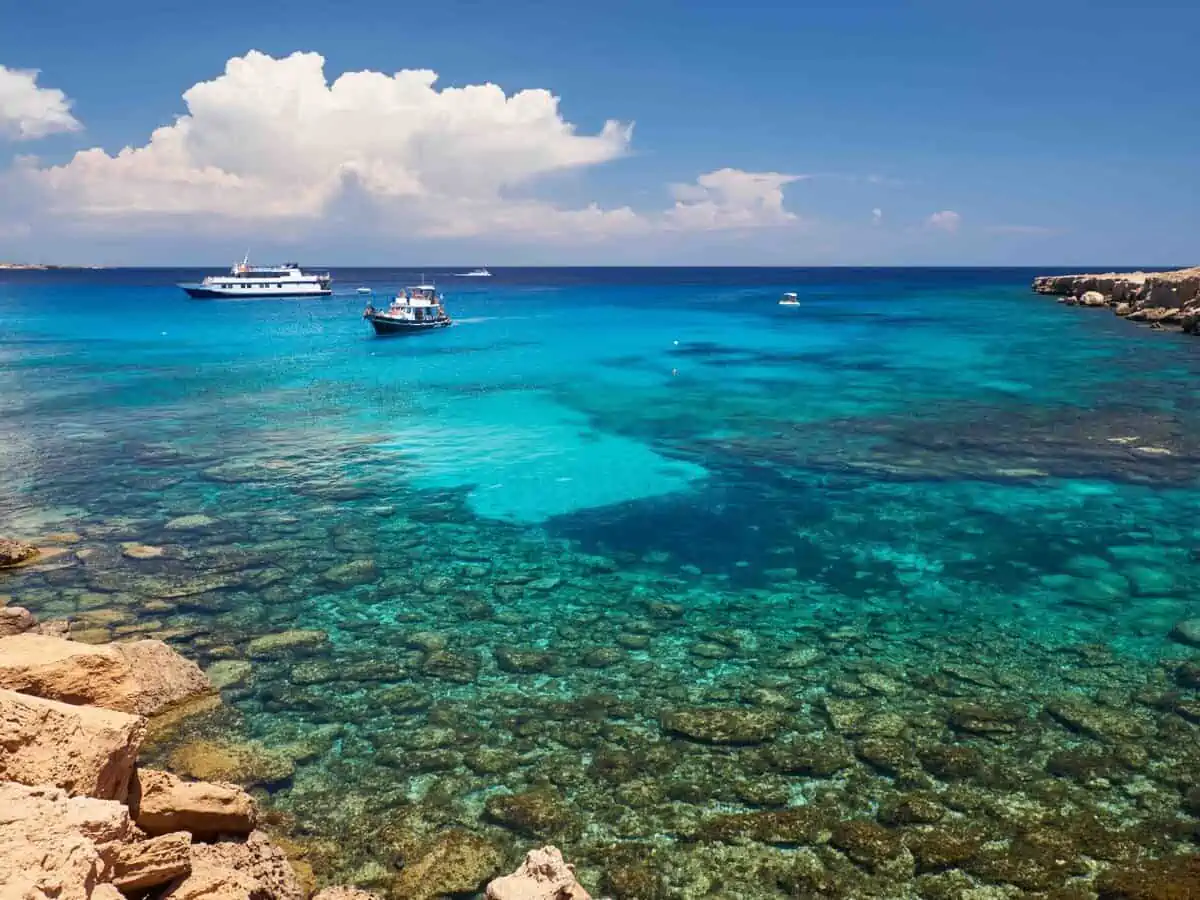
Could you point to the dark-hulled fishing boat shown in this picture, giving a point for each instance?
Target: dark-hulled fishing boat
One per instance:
(414, 309)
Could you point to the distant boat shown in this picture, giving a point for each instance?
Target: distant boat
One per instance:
(474, 273)
(413, 309)
(364, 290)
(245, 280)
(789, 299)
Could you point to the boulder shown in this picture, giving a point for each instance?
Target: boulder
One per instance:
(1187, 631)
(13, 553)
(142, 677)
(250, 869)
(81, 749)
(248, 763)
(544, 875)
(145, 864)
(162, 803)
(15, 620)
(51, 843)
(1092, 298)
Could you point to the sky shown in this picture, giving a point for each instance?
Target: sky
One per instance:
(529, 132)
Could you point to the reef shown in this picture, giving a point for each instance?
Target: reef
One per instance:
(1158, 298)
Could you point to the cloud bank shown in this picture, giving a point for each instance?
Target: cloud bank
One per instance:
(273, 141)
(28, 111)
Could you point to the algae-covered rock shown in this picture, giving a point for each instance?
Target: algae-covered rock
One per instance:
(951, 762)
(357, 571)
(448, 665)
(456, 863)
(1106, 723)
(524, 661)
(789, 827)
(190, 523)
(300, 639)
(1187, 631)
(227, 673)
(724, 725)
(941, 848)
(540, 813)
(247, 763)
(866, 842)
(814, 756)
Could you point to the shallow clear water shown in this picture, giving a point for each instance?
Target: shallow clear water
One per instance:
(605, 496)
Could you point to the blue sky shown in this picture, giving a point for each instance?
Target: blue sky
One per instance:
(914, 133)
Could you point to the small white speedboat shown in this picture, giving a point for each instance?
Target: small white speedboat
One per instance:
(789, 299)
(474, 273)
(365, 290)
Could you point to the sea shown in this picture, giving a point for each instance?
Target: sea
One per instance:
(887, 594)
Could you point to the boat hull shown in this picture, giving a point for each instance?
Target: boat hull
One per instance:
(200, 292)
(387, 327)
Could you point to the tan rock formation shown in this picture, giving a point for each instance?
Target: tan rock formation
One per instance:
(457, 862)
(344, 893)
(247, 763)
(253, 869)
(140, 865)
(50, 843)
(162, 803)
(143, 677)
(544, 875)
(1171, 298)
(81, 749)
(15, 620)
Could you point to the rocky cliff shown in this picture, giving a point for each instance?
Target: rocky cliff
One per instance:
(1160, 298)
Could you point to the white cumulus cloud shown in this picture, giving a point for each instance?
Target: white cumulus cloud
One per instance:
(272, 138)
(945, 220)
(273, 142)
(731, 198)
(28, 111)
(876, 216)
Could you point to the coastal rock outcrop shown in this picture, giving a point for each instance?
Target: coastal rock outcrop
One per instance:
(544, 875)
(141, 677)
(1161, 298)
(84, 750)
(250, 869)
(51, 843)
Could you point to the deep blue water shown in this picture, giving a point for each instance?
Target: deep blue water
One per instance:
(910, 456)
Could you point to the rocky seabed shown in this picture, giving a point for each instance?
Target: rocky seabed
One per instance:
(80, 819)
(1158, 298)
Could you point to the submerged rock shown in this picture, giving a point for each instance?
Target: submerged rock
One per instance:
(248, 763)
(15, 620)
(1172, 878)
(358, 571)
(543, 875)
(14, 553)
(539, 813)
(287, 642)
(190, 523)
(457, 862)
(1187, 631)
(732, 725)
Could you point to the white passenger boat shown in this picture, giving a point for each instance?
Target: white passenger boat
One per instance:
(246, 281)
(789, 299)
(475, 273)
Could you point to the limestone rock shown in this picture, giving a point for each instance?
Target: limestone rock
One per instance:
(190, 523)
(342, 892)
(13, 553)
(1092, 298)
(81, 749)
(50, 843)
(15, 620)
(143, 677)
(145, 864)
(252, 869)
(544, 875)
(162, 803)
(458, 862)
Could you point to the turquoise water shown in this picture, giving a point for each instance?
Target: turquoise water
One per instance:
(524, 551)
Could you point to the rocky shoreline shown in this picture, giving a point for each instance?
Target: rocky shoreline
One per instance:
(80, 819)
(1162, 299)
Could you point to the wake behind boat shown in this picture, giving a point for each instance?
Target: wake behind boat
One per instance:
(474, 273)
(245, 280)
(414, 309)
